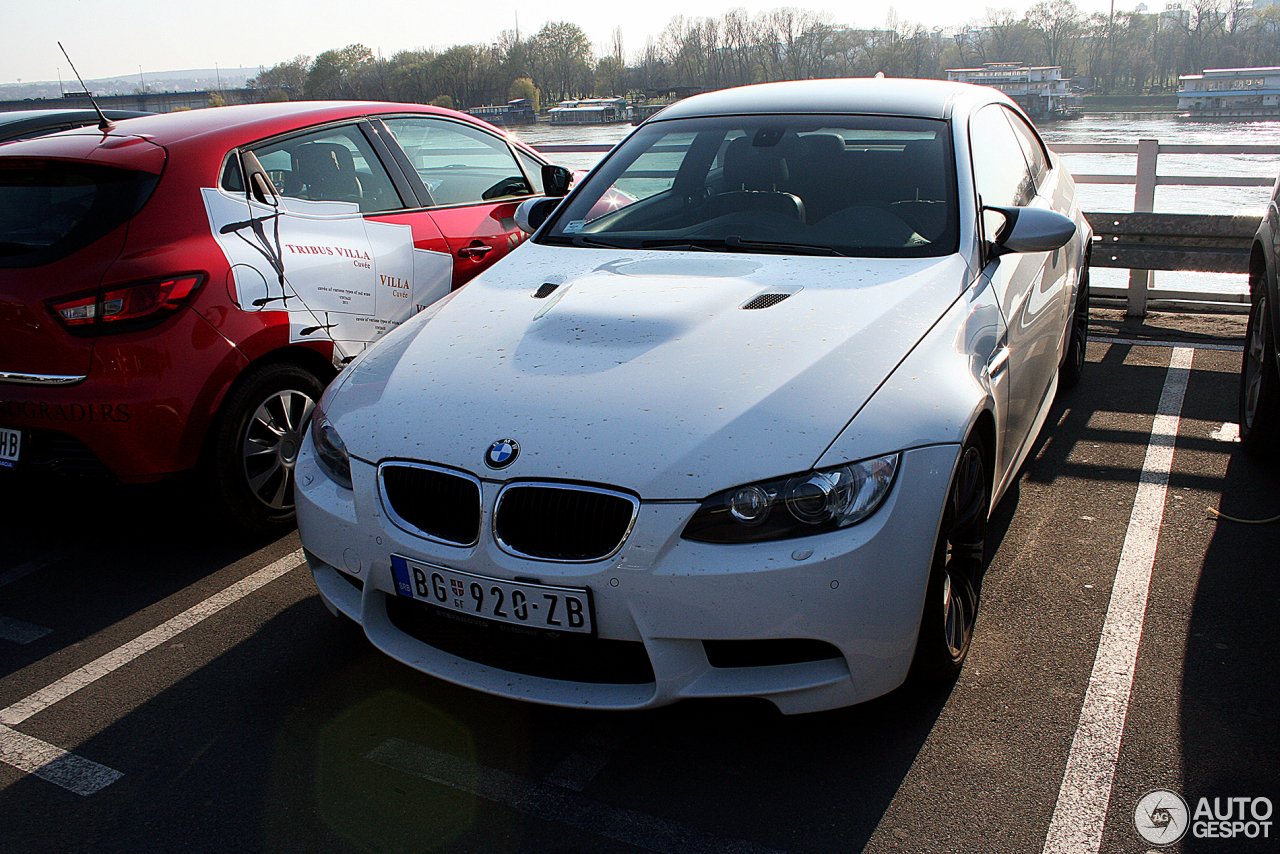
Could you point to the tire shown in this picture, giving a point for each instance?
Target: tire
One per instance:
(1073, 365)
(255, 446)
(955, 578)
(1260, 384)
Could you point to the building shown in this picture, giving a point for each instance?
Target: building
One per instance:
(149, 102)
(517, 112)
(1231, 93)
(1173, 12)
(1040, 90)
(590, 111)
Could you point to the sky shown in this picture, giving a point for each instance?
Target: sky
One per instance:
(112, 38)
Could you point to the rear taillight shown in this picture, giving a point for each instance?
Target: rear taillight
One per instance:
(127, 306)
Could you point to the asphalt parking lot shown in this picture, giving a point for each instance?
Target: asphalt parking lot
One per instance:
(167, 687)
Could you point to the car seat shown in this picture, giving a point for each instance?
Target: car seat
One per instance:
(326, 171)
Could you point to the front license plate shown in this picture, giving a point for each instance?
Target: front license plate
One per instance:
(539, 606)
(10, 444)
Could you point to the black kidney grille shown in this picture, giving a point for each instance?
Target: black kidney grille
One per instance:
(562, 523)
(439, 504)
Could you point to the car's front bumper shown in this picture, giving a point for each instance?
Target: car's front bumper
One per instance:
(859, 590)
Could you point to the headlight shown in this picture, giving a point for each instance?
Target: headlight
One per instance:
(796, 506)
(331, 452)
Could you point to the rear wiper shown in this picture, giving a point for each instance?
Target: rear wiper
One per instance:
(736, 242)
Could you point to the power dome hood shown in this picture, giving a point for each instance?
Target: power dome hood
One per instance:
(641, 370)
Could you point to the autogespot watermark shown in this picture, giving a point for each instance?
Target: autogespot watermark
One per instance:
(1163, 817)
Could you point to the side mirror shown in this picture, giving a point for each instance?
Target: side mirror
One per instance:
(532, 213)
(1031, 230)
(257, 181)
(556, 180)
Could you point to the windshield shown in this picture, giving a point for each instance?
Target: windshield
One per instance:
(830, 185)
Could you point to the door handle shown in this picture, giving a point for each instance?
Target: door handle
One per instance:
(475, 251)
(998, 360)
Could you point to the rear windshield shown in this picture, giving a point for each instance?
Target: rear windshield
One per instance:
(49, 208)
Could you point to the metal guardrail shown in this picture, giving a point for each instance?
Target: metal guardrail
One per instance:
(1153, 241)
(1143, 241)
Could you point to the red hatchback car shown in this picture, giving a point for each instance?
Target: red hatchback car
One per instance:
(176, 292)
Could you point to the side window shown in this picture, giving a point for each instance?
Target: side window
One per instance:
(232, 178)
(459, 164)
(655, 170)
(999, 167)
(1032, 147)
(332, 165)
(532, 168)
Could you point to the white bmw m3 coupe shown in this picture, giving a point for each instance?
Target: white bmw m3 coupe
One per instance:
(730, 423)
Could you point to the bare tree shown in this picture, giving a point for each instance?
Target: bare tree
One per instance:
(1056, 24)
(564, 59)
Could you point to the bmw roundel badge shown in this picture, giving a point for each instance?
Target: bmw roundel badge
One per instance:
(502, 453)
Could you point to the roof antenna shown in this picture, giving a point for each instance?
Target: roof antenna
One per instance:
(104, 124)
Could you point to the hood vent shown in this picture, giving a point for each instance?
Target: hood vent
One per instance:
(764, 301)
(545, 291)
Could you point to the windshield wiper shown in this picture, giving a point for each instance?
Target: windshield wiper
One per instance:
(587, 240)
(698, 244)
(736, 242)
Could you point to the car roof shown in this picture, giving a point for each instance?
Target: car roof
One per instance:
(224, 127)
(876, 96)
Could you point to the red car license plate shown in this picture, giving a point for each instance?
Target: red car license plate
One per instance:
(10, 445)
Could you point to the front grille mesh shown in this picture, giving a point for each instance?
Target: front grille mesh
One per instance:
(562, 523)
(550, 655)
(439, 504)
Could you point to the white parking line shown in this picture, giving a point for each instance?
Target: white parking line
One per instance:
(22, 570)
(592, 754)
(1177, 345)
(20, 632)
(80, 775)
(54, 764)
(117, 658)
(1081, 810)
(552, 803)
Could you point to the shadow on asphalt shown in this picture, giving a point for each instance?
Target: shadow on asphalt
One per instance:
(102, 551)
(268, 748)
(1229, 726)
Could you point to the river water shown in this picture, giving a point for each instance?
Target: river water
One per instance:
(1092, 129)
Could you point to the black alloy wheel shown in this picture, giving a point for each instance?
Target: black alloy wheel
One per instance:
(959, 559)
(1073, 365)
(256, 444)
(1260, 383)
